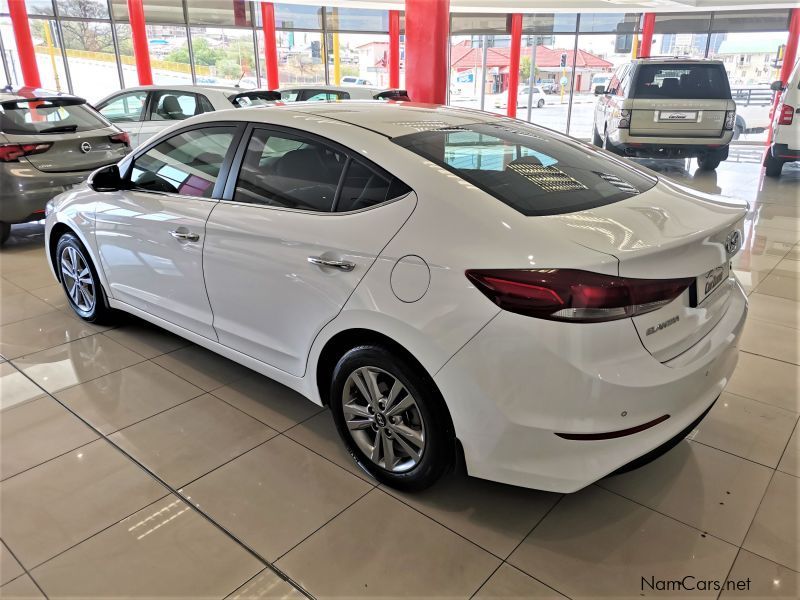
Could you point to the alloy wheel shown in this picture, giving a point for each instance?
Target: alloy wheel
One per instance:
(77, 278)
(383, 419)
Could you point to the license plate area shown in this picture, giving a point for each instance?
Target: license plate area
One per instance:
(705, 284)
(677, 116)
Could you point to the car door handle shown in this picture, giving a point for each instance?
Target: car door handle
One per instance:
(342, 265)
(185, 236)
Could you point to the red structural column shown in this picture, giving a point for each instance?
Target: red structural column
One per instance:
(648, 27)
(141, 49)
(513, 64)
(270, 45)
(22, 35)
(394, 48)
(427, 41)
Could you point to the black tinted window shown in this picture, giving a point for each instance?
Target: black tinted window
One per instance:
(690, 81)
(363, 187)
(532, 171)
(291, 171)
(174, 106)
(50, 115)
(187, 163)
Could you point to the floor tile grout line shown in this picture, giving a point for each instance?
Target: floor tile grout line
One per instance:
(729, 453)
(786, 362)
(740, 395)
(677, 520)
(730, 569)
(44, 462)
(25, 569)
(207, 517)
(786, 446)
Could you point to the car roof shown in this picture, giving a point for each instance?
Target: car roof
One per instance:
(225, 89)
(676, 59)
(334, 88)
(391, 119)
(26, 93)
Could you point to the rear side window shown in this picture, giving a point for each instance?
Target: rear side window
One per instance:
(682, 81)
(363, 187)
(49, 115)
(530, 170)
(187, 163)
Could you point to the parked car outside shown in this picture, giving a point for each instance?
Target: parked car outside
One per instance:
(667, 108)
(322, 93)
(538, 98)
(49, 142)
(785, 134)
(145, 110)
(444, 280)
(350, 80)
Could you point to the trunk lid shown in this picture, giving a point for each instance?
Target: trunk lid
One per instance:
(677, 118)
(73, 151)
(668, 232)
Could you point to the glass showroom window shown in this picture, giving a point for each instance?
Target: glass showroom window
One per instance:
(299, 56)
(224, 57)
(49, 57)
(169, 56)
(363, 59)
(220, 12)
(91, 59)
(681, 34)
(10, 55)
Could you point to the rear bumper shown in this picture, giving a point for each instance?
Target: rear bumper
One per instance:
(784, 152)
(521, 381)
(26, 190)
(667, 147)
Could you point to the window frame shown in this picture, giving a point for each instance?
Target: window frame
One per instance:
(126, 166)
(235, 167)
(120, 94)
(152, 103)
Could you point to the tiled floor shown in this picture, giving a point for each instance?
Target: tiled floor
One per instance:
(136, 464)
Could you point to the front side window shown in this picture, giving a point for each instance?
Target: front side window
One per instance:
(291, 171)
(682, 81)
(125, 108)
(530, 170)
(47, 115)
(187, 163)
(174, 106)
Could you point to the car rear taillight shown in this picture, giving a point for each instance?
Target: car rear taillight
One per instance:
(12, 152)
(121, 138)
(573, 295)
(624, 119)
(786, 115)
(730, 119)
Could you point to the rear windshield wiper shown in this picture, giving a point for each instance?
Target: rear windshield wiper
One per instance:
(59, 129)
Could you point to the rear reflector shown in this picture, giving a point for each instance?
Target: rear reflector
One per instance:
(121, 138)
(12, 152)
(786, 115)
(575, 296)
(610, 435)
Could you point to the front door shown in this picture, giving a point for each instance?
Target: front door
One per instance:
(166, 107)
(282, 258)
(150, 237)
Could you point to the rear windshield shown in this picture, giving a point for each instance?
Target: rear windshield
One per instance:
(527, 168)
(690, 81)
(49, 115)
(254, 99)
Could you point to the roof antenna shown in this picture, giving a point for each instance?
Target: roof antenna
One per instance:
(240, 79)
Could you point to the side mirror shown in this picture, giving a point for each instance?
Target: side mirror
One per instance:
(777, 86)
(106, 179)
(599, 90)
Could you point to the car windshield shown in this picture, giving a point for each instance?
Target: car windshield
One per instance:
(47, 115)
(530, 170)
(689, 81)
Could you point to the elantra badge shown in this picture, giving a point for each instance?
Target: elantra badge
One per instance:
(86, 147)
(733, 242)
(662, 325)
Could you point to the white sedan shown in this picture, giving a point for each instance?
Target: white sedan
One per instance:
(537, 99)
(446, 281)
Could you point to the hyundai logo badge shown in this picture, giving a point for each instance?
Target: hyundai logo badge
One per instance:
(733, 241)
(86, 147)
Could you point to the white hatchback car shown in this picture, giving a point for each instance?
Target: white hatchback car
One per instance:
(444, 280)
(145, 110)
(538, 98)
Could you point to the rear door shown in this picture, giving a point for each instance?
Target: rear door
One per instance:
(304, 223)
(126, 111)
(680, 100)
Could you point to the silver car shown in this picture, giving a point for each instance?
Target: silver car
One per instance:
(49, 142)
(667, 108)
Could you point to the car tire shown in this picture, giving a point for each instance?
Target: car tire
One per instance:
(540, 103)
(737, 132)
(5, 232)
(709, 161)
(409, 449)
(80, 282)
(773, 165)
(596, 139)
